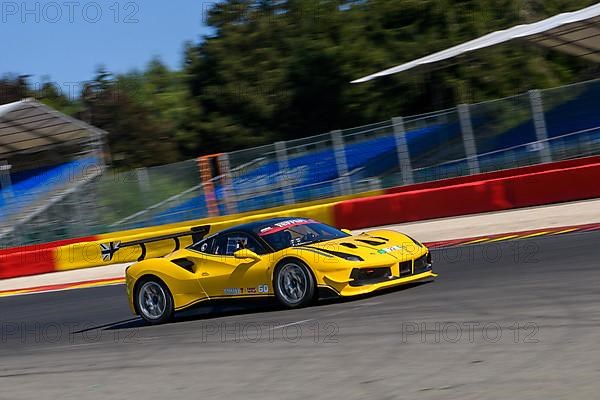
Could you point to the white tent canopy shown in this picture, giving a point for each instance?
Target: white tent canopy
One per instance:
(576, 33)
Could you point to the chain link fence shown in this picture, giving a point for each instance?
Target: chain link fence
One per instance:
(526, 129)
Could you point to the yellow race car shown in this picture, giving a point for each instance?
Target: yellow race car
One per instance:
(296, 260)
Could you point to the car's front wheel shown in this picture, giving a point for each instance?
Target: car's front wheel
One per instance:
(294, 284)
(153, 301)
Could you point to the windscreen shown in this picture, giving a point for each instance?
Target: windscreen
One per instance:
(297, 232)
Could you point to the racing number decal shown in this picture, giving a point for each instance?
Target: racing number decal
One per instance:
(263, 288)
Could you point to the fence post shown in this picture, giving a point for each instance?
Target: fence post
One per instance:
(539, 121)
(403, 151)
(285, 181)
(228, 192)
(5, 183)
(12, 238)
(81, 227)
(464, 116)
(143, 179)
(340, 162)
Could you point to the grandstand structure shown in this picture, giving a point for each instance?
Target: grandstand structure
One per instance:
(46, 158)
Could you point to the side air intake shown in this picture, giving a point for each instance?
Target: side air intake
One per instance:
(184, 263)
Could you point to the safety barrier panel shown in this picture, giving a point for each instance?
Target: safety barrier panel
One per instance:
(32, 260)
(496, 174)
(26, 263)
(522, 190)
(578, 183)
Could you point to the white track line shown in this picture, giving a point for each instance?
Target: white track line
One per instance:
(291, 324)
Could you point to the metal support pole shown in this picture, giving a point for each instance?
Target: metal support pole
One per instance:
(144, 184)
(98, 148)
(464, 116)
(43, 225)
(403, 153)
(91, 189)
(285, 181)
(80, 222)
(340, 162)
(5, 183)
(143, 179)
(539, 121)
(14, 237)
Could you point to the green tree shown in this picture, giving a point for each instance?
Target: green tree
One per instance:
(281, 69)
(13, 88)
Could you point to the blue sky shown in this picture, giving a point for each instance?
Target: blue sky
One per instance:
(68, 39)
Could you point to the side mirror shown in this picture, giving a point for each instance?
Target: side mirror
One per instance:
(245, 254)
(346, 231)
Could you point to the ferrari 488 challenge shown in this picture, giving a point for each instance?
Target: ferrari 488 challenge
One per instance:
(296, 260)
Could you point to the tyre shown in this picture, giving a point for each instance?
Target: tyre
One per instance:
(153, 301)
(294, 284)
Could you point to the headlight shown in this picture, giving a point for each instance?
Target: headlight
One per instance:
(350, 257)
(345, 256)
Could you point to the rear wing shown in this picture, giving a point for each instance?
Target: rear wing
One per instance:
(109, 249)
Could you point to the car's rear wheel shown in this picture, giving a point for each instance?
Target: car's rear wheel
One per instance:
(294, 284)
(153, 301)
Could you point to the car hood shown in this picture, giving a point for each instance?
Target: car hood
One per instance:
(383, 243)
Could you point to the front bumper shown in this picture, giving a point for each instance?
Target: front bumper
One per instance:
(379, 278)
(358, 290)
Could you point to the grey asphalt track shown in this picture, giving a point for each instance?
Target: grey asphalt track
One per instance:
(516, 320)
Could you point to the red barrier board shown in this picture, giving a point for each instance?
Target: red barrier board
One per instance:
(532, 189)
(49, 245)
(33, 259)
(25, 263)
(496, 174)
(557, 186)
